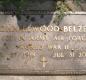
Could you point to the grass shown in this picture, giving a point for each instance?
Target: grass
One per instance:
(20, 5)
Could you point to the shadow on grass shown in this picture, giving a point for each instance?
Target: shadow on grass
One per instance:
(35, 13)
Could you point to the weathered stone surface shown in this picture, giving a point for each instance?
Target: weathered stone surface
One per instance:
(21, 54)
(42, 77)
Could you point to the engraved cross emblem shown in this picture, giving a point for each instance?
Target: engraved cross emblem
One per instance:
(44, 61)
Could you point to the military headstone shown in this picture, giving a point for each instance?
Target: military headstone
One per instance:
(35, 44)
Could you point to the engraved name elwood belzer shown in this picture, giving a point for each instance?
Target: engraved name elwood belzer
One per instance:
(39, 46)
